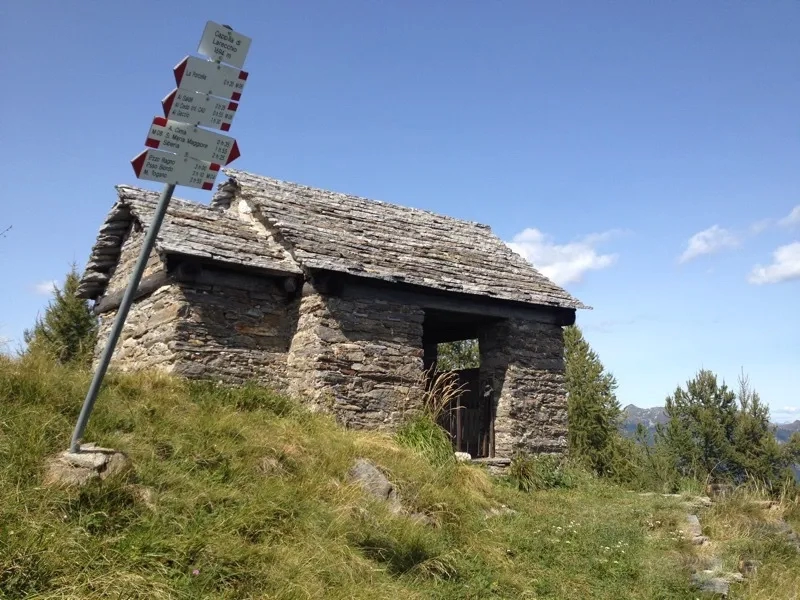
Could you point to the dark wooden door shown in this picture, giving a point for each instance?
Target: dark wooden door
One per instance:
(468, 419)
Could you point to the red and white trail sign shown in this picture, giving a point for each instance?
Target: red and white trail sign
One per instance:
(208, 77)
(188, 140)
(199, 109)
(157, 165)
(224, 44)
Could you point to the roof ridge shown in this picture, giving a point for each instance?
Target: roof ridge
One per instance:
(235, 173)
(132, 192)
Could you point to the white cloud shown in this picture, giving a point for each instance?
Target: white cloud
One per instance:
(784, 414)
(761, 226)
(563, 263)
(792, 219)
(45, 288)
(708, 241)
(785, 266)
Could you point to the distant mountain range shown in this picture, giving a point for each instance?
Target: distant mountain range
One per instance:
(650, 417)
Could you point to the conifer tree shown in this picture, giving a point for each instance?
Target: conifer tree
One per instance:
(593, 410)
(699, 431)
(714, 433)
(759, 456)
(68, 329)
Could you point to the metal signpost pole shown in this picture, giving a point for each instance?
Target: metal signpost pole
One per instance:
(180, 152)
(122, 314)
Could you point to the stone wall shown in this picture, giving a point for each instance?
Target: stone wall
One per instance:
(524, 360)
(129, 254)
(237, 327)
(152, 320)
(148, 334)
(221, 325)
(360, 358)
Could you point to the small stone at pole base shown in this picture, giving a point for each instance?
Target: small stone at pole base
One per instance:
(90, 463)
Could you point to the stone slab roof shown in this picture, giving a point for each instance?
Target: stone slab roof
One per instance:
(372, 239)
(299, 228)
(190, 229)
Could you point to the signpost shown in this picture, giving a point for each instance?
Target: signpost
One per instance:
(208, 77)
(222, 44)
(157, 165)
(187, 140)
(199, 109)
(181, 153)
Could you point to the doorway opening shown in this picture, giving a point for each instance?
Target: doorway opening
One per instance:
(452, 349)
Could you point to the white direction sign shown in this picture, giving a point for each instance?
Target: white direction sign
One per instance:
(208, 77)
(188, 140)
(199, 109)
(223, 44)
(156, 165)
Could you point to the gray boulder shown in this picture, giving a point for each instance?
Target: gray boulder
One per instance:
(374, 482)
(90, 463)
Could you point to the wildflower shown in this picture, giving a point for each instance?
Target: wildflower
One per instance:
(196, 572)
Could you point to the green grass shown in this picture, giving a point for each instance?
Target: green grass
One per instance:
(241, 493)
(742, 530)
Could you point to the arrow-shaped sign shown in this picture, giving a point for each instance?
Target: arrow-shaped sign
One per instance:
(199, 109)
(188, 140)
(156, 165)
(208, 77)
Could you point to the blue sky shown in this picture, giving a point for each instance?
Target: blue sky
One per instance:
(645, 155)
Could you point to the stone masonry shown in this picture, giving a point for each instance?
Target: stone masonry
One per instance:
(360, 358)
(232, 327)
(151, 322)
(237, 328)
(524, 363)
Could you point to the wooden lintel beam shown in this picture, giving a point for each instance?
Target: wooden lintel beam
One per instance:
(440, 335)
(328, 283)
(458, 303)
(203, 273)
(175, 258)
(147, 285)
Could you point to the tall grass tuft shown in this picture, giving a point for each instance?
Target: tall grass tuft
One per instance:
(421, 430)
(542, 472)
(425, 436)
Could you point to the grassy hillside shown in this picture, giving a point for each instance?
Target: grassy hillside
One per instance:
(243, 494)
